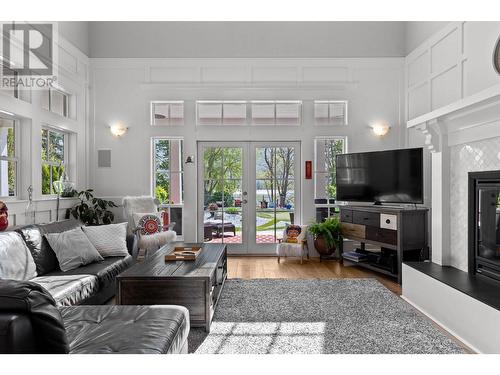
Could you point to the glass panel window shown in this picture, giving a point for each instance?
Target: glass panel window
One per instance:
(8, 158)
(55, 101)
(53, 153)
(330, 112)
(168, 177)
(282, 112)
(167, 113)
(325, 189)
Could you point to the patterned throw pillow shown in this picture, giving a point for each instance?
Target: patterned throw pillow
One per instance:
(293, 233)
(148, 223)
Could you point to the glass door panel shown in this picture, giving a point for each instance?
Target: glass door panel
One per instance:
(275, 203)
(223, 195)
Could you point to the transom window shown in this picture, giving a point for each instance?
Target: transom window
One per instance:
(54, 158)
(168, 177)
(8, 158)
(325, 188)
(55, 101)
(167, 112)
(330, 112)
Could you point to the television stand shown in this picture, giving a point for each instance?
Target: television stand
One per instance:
(399, 232)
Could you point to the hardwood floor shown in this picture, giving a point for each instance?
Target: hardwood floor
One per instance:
(251, 267)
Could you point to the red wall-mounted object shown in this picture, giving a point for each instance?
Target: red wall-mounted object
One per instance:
(308, 169)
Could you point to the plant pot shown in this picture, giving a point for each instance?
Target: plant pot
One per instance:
(321, 246)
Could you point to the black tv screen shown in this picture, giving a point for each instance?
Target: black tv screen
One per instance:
(394, 176)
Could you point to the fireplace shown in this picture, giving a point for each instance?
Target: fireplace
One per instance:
(484, 224)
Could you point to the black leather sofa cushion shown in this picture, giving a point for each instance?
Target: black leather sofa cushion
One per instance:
(69, 290)
(106, 270)
(126, 329)
(43, 255)
(30, 299)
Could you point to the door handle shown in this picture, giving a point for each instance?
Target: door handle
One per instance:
(244, 201)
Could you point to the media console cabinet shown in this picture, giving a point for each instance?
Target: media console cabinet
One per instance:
(399, 232)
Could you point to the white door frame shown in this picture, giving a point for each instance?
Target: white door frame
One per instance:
(249, 214)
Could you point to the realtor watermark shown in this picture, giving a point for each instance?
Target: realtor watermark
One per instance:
(28, 55)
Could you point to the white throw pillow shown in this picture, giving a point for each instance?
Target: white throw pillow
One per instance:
(16, 262)
(73, 249)
(109, 240)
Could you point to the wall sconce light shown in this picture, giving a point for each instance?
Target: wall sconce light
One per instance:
(189, 159)
(118, 129)
(380, 128)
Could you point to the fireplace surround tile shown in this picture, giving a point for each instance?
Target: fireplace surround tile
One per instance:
(471, 157)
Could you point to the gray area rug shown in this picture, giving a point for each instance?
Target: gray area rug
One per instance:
(316, 316)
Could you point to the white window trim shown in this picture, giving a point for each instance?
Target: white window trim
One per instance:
(152, 112)
(16, 159)
(346, 117)
(66, 106)
(65, 162)
(170, 171)
(316, 172)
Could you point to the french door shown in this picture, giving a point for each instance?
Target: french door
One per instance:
(247, 193)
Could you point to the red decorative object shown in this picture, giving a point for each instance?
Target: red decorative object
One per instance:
(149, 224)
(4, 221)
(166, 219)
(308, 169)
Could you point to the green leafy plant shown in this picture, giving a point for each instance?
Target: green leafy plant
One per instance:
(91, 210)
(329, 229)
(231, 210)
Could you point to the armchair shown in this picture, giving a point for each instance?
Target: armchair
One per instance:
(144, 221)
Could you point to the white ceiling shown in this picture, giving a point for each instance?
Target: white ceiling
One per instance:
(247, 39)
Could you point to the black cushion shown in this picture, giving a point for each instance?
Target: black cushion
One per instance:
(43, 255)
(28, 298)
(126, 329)
(69, 290)
(105, 270)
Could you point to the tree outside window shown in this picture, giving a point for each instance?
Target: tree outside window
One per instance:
(53, 158)
(8, 159)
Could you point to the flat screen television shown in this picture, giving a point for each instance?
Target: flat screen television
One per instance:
(393, 176)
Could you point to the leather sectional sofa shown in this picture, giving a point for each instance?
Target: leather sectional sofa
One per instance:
(46, 314)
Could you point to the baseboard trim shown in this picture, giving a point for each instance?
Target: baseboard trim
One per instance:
(443, 326)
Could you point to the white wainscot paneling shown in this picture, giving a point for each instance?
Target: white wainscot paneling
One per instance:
(445, 52)
(325, 74)
(68, 61)
(174, 74)
(418, 100)
(224, 74)
(265, 74)
(418, 69)
(445, 88)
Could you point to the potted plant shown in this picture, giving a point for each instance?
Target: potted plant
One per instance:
(326, 235)
(91, 210)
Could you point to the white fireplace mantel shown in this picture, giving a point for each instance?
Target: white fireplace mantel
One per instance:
(471, 119)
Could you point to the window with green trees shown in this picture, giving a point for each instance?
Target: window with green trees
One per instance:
(168, 173)
(8, 158)
(325, 188)
(54, 159)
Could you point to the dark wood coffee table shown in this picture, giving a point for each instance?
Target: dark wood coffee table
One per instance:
(195, 284)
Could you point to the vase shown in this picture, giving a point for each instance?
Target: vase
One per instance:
(322, 247)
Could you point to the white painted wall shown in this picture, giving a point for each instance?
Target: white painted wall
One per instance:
(72, 78)
(247, 39)
(417, 32)
(77, 33)
(453, 64)
(121, 90)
